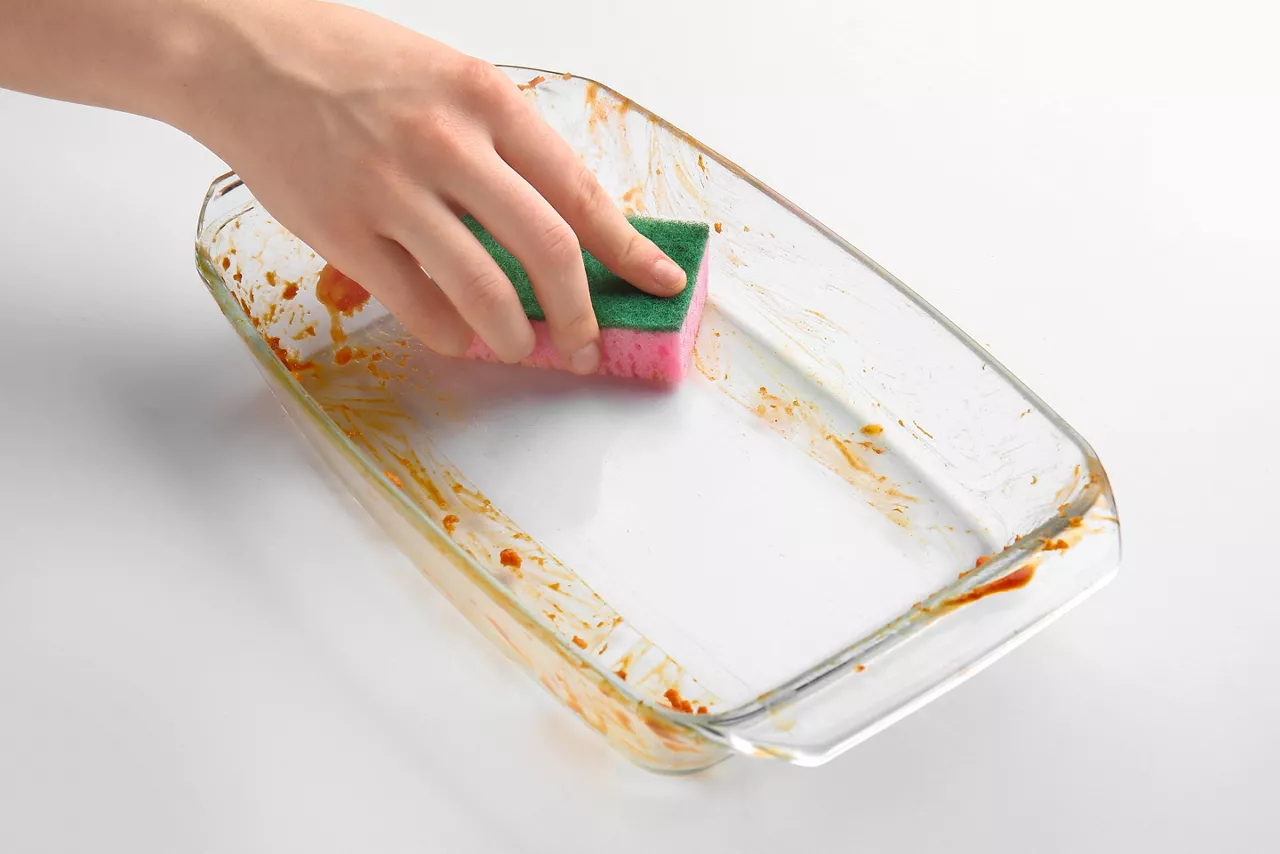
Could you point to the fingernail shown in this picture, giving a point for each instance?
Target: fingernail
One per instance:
(667, 274)
(586, 359)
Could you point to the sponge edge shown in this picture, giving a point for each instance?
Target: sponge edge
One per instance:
(660, 357)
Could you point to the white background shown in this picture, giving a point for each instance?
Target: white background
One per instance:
(201, 650)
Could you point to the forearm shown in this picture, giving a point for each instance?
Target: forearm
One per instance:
(157, 58)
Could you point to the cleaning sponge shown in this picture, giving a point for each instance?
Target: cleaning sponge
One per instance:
(641, 336)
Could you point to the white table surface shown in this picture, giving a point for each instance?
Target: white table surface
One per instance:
(199, 653)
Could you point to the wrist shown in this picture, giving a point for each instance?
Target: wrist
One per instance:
(220, 64)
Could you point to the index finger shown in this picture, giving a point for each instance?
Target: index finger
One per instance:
(546, 161)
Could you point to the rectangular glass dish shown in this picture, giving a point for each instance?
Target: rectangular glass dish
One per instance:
(846, 509)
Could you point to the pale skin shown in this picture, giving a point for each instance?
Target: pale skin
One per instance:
(365, 139)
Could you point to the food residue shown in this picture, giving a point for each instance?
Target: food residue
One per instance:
(511, 558)
(859, 668)
(719, 227)
(1019, 578)
(977, 564)
(534, 82)
(450, 522)
(680, 704)
(579, 642)
(1075, 522)
(872, 430)
(342, 355)
(1056, 545)
(702, 710)
(284, 355)
(397, 481)
(290, 291)
(339, 292)
(621, 674)
(226, 263)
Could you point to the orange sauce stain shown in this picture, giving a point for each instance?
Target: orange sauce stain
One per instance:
(450, 523)
(397, 481)
(687, 181)
(226, 263)
(532, 83)
(341, 295)
(419, 475)
(339, 292)
(271, 278)
(870, 446)
(680, 704)
(859, 668)
(579, 642)
(850, 457)
(796, 420)
(702, 710)
(719, 227)
(872, 430)
(922, 430)
(286, 356)
(702, 164)
(1075, 522)
(511, 558)
(1015, 580)
(1056, 545)
(621, 674)
(290, 291)
(342, 355)
(597, 112)
(633, 199)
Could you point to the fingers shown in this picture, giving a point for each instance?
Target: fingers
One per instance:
(538, 153)
(526, 224)
(390, 271)
(467, 275)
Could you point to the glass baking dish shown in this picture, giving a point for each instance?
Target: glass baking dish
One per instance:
(845, 510)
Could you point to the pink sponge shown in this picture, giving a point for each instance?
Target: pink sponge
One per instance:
(660, 356)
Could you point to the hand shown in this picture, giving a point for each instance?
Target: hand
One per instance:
(369, 141)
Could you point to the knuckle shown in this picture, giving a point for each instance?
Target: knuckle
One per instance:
(588, 195)
(480, 82)
(436, 134)
(635, 250)
(485, 294)
(576, 327)
(561, 245)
